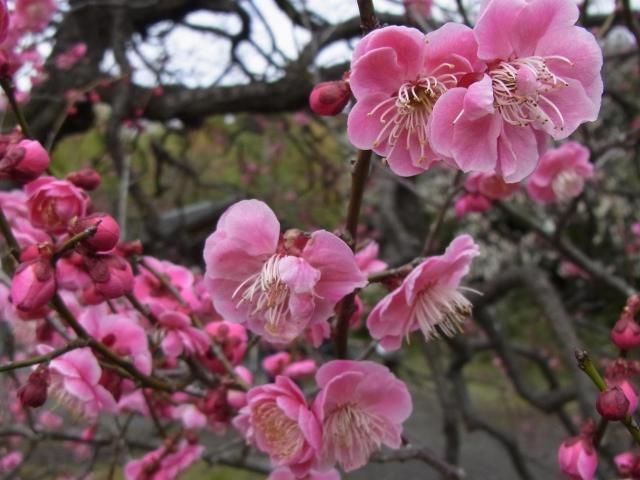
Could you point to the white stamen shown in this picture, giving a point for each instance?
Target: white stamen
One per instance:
(523, 110)
(443, 307)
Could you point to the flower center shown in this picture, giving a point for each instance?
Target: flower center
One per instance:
(567, 184)
(443, 307)
(408, 112)
(351, 434)
(282, 436)
(520, 87)
(267, 293)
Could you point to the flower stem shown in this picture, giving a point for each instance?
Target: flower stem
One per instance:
(7, 85)
(587, 366)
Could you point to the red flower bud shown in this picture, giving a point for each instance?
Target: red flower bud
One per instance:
(34, 393)
(33, 285)
(612, 404)
(111, 275)
(626, 333)
(107, 234)
(330, 98)
(85, 178)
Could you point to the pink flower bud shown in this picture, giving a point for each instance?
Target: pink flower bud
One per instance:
(577, 458)
(329, 98)
(107, 234)
(33, 394)
(626, 333)
(53, 203)
(33, 285)
(612, 404)
(111, 275)
(626, 463)
(85, 178)
(24, 161)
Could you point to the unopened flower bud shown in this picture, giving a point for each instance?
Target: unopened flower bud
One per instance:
(626, 333)
(85, 178)
(33, 285)
(329, 98)
(24, 161)
(107, 233)
(111, 275)
(33, 394)
(612, 404)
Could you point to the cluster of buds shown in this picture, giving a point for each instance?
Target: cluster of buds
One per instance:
(617, 402)
(82, 253)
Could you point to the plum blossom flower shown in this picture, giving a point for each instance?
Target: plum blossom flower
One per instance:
(153, 291)
(279, 422)
(53, 203)
(232, 340)
(397, 76)
(34, 15)
(628, 464)
(71, 56)
(10, 461)
(361, 406)
(180, 337)
(561, 174)
(481, 190)
(14, 205)
(76, 378)
(543, 78)
(471, 203)
(120, 332)
(164, 463)
(577, 457)
(277, 285)
(428, 299)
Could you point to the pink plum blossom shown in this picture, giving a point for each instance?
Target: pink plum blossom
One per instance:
(71, 56)
(481, 190)
(232, 340)
(543, 78)
(120, 332)
(275, 364)
(10, 461)
(151, 290)
(577, 458)
(428, 299)
(53, 203)
(284, 473)
(361, 406)
(471, 203)
(164, 463)
(14, 205)
(397, 76)
(367, 258)
(279, 422)
(78, 377)
(179, 336)
(561, 174)
(276, 285)
(34, 15)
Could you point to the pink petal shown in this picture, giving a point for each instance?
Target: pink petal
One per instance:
(299, 276)
(493, 30)
(518, 151)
